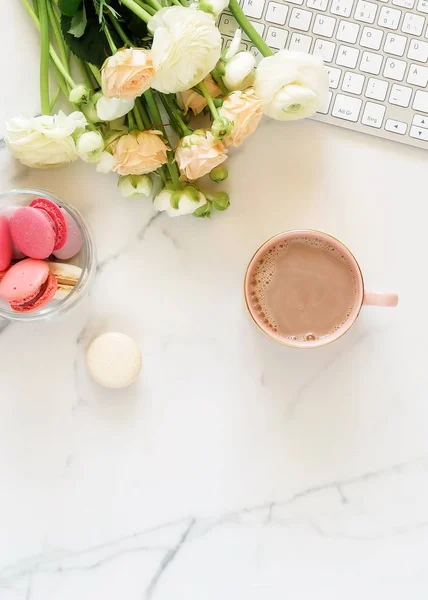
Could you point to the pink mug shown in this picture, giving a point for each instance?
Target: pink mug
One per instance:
(362, 297)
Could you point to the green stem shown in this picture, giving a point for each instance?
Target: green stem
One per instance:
(86, 74)
(131, 121)
(184, 3)
(138, 119)
(177, 3)
(120, 31)
(157, 122)
(154, 4)
(219, 81)
(175, 113)
(209, 99)
(143, 113)
(53, 20)
(44, 57)
(95, 72)
(137, 10)
(54, 99)
(147, 7)
(61, 82)
(109, 39)
(246, 26)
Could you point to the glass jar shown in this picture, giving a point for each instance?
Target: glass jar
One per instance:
(85, 259)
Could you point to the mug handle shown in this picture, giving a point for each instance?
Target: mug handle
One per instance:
(380, 299)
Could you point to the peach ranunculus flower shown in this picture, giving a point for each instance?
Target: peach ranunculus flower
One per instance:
(139, 152)
(244, 110)
(194, 101)
(128, 73)
(198, 153)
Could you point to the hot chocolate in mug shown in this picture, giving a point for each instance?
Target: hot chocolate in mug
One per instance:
(305, 289)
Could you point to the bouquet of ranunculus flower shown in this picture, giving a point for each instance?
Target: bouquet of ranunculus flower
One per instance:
(148, 64)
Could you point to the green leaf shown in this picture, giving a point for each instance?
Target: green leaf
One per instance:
(78, 23)
(69, 7)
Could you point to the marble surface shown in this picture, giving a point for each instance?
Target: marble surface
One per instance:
(234, 467)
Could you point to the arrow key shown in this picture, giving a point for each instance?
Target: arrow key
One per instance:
(420, 121)
(396, 126)
(419, 133)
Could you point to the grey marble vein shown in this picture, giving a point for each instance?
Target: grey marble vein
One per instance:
(167, 560)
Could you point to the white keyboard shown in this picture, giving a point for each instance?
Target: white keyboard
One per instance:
(376, 54)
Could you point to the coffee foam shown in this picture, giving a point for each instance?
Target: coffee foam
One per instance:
(263, 274)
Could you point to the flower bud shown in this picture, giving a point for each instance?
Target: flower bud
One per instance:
(213, 7)
(203, 211)
(79, 94)
(135, 185)
(109, 109)
(192, 193)
(90, 146)
(90, 112)
(106, 162)
(219, 173)
(221, 201)
(221, 127)
(177, 202)
(239, 71)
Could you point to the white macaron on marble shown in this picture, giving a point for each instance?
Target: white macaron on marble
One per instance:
(114, 360)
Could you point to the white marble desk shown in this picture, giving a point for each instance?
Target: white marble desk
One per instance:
(235, 468)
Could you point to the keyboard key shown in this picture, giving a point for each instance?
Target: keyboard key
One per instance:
(376, 89)
(324, 109)
(423, 6)
(324, 25)
(300, 43)
(417, 75)
(253, 8)
(418, 50)
(300, 19)
(389, 17)
(347, 56)
(395, 44)
(371, 38)
(324, 49)
(342, 7)
(373, 115)
(228, 25)
(276, 13)
(276, 38)
(419, 133)
(346, 108)
(400, 95)
(365, 11)
(413, 24)
(348, 32)
(259, 27)
(242, 46)
(295, 1)
(420, 101)
(333, 77)
(404, 3)
(353, 83)
(317, 4)
(371, 63)
(396, 126)
(420, 121)
(394, 69)
(256, 53)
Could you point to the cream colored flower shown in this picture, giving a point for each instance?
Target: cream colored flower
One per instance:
(198, 153)
(90, 146)
(186, 47)
(291, 85)
(244, 110)
(214, 7)
(135, 185)
(109, 109)
(128, 73)
(194, 101)
(45, 141)
(139, 152)
(185, 201)
(238, 66)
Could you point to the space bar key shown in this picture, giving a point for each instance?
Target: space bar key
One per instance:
(346, 108)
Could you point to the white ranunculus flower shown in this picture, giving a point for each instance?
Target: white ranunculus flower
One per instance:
(291, 85)
(90, 146)
(214, 7)
(109, 109)
(187, 202)
(105, 163)
(45, 141)
(239, 71)
(135, 185)
(186, 47)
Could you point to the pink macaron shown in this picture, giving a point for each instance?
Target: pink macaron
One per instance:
(57, 216)
(33, 232)
(74, 240)
(28, 285)
(6, 247)
(8, 211)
